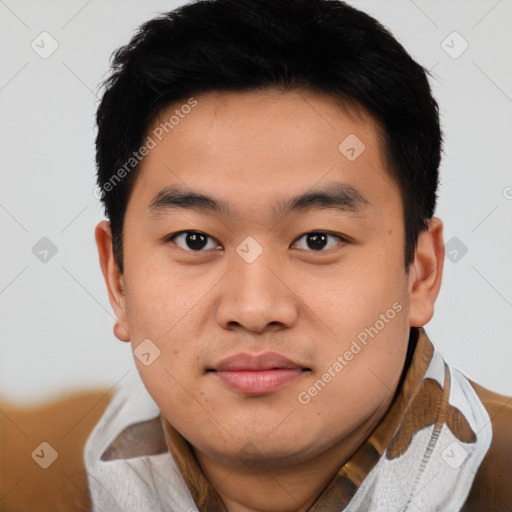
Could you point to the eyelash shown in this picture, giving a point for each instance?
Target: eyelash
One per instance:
(344, 240)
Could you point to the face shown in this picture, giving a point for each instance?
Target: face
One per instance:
(278, 309)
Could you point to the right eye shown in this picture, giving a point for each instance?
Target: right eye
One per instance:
(192, 241)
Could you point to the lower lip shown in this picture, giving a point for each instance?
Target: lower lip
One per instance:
(259, 382)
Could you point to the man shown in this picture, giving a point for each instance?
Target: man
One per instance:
(269, 170)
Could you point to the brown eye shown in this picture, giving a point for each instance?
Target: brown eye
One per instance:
(194, 241)
(318, 241)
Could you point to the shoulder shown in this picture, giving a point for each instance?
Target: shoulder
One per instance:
(491, 490)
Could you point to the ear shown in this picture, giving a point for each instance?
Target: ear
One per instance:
(425, 274)
(113, 279)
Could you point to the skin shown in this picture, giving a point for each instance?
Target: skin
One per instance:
(252, 150)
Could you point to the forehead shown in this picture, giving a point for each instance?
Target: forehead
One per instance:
(300, 118)
(256, 146)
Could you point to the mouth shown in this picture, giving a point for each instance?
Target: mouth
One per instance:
(258, 375)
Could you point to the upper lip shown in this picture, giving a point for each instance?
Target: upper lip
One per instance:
(265, 361)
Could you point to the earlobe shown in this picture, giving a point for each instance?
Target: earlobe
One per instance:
(120, 332)
(113, 279)
(426, 274)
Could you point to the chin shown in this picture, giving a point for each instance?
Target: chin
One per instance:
(257, 452)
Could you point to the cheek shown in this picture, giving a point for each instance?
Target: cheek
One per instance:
(366, 313)
(354, 296)
(357, 377)
(159, 299)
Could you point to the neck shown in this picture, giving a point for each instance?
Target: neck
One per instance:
(267, 486)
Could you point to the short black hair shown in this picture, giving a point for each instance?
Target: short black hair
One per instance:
(323, 46)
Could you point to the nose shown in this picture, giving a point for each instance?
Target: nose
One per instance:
(257, 297)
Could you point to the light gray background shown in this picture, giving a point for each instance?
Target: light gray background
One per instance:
(55, 318)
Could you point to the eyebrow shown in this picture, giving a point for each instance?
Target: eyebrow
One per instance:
(342, 197)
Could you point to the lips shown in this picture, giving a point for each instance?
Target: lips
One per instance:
(258, 375)
(266, 361)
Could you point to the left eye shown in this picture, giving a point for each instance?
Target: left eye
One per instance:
(318, 240)
(193, 241)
